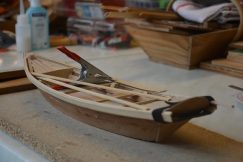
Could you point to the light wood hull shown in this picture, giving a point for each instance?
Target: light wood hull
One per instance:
(142, 129)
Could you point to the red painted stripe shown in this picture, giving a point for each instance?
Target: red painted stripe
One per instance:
(70, 54)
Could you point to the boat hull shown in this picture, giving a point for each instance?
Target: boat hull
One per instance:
(142, 129)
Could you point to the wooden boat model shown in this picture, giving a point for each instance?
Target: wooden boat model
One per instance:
(92, 97)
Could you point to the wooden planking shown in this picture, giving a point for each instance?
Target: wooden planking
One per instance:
(159, 38)
(166, 62)
(131, 127)
(187, 26)
(185, 50)
(168, 48)
(238, 45)
(43, 65)
(222, 69)
(161, 45)
(227, 63)
(123, 12)
(15, 85)
(162, 56)
(235, 56)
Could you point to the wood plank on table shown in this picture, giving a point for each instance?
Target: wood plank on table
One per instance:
(15, 85)
(222, 69)
(12, 74)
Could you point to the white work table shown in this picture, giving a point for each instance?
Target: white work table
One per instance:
(32, 120)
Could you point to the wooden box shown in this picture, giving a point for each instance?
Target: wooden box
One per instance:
(186, 51)
(182, 50)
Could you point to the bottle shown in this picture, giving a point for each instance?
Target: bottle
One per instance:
(38, 18)
(22, 32)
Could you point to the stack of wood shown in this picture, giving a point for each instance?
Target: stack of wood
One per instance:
(165, 21)
(14, 81)
(231, 65)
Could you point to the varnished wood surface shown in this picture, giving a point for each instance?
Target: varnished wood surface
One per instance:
(11, 75)
(15, 85)
(131, 127)
(222, 69)
(181, 50)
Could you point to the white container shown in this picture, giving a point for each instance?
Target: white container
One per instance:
(22, 30)
(39, 23)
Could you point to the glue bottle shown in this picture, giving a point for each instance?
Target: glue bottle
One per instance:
(22, 31)
(38, 18)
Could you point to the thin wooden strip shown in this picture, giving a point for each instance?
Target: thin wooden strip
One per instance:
(30, 65)
(119, 96)
(141, 87)
(121, 15)
(43, 66)
(53, 61)
(46, 64)
(162, 98)
(221, 69)
(164, 15)
(226, 63)
(146, 102)
(36, 67)
(132, 105)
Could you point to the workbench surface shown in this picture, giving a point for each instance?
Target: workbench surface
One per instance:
(33, 121)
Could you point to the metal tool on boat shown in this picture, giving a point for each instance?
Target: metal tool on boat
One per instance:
(88, 73)
(91, 74)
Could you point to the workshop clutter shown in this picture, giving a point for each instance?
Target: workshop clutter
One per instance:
(88, 25)
(188, 33)
(100, 33)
